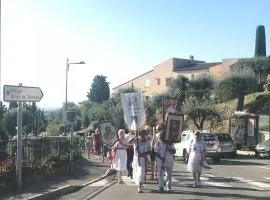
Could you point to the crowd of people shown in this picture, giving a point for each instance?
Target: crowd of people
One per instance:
(148, 150)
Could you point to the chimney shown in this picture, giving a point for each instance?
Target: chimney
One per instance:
(191, 57)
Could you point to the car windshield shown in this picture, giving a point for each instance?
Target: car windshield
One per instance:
(224, 137)
(208, 137)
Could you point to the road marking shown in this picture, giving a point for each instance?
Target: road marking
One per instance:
(263, 167)
(174, 180)
(255, 188)
(216, 184)
(100, 183)
(210, 175)
(251, 182)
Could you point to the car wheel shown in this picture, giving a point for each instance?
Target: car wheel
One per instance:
(233, 155)
(185, 156)
(216, 159)
(257, 154)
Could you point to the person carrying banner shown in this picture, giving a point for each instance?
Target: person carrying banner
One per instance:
(119, 160)
(165, 160)
(141, 150)
(130, 154)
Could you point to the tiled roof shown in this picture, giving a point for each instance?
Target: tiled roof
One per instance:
(195, 66)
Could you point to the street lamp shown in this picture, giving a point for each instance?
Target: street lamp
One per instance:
(70, 116)
(67, 68)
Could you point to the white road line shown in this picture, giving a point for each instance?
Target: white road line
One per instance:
(263, 167)
(174, 180)
(216, 184)
(210, 175)
(251, 182)
(100, 183)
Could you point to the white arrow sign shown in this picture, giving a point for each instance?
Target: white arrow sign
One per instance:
(22, 93)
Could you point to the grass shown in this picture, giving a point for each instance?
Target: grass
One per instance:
(251, 98)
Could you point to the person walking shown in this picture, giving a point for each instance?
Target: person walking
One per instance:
(152, 141)
(88, 145)
(141, 150)
(165, 161)
(196, 158)
(120, 154)
(96, 143)
(130, 155)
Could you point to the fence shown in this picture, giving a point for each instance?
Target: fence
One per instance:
(36, 153)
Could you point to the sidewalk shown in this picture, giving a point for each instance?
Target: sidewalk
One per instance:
(85, 172)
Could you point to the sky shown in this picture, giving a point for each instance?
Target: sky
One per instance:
(119, 39)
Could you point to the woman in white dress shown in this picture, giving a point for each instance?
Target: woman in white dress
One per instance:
(141, 151)
(196, 158)
(120, 154)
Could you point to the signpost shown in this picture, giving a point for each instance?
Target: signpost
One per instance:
(21, 94)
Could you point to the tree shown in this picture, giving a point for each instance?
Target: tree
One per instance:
(259, 65)
(201, 87)
(260, 44)
(236, 85)
(199, 110)
(177, 88)
(13, 104)
(99, 90)
(53, 128)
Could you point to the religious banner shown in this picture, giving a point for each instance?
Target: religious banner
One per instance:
(133, 107)
(108, 133)
(169, 105)
(174, 127)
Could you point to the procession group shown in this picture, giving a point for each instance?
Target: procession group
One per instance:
(135, 152)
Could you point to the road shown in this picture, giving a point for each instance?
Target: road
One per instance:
(231, 179)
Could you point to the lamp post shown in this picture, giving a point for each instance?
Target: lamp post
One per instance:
(69, 116)
(67, 68)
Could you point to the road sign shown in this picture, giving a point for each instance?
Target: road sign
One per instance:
(22, 93)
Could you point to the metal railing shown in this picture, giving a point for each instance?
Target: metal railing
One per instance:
(36, 153)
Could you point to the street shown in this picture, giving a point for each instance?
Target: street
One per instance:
(231, 179)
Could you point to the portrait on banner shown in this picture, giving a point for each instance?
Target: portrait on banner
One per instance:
(108, 133)
(174, 127)
(169, 105)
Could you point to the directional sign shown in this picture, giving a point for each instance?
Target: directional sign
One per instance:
(22, 93)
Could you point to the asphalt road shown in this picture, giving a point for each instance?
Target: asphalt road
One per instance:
(231, 179)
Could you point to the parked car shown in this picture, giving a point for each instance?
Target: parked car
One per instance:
(263, 149)
(209, 139)
(227, 149)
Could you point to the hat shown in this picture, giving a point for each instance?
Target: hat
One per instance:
(147, 128)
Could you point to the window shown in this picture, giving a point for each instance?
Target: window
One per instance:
(158, 81)
(168, 80)
(147, 83)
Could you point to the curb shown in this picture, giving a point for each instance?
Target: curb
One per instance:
(69, 188)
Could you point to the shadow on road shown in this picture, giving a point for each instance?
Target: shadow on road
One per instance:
(238, 162)
(215, 195)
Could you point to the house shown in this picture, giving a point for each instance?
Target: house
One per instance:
(157, 80)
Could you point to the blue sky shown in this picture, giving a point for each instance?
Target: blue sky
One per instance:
(119, 39)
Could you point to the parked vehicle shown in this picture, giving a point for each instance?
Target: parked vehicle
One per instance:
(227, 148)
(263, 149)
(209, 139)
